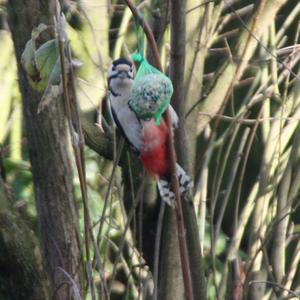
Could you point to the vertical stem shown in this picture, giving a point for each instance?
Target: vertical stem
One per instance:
(172, 157)
(185, 264)
(79, 162)
(49, 157)
(148, 32)
(157, 247)
(78, 148)
(179, 102)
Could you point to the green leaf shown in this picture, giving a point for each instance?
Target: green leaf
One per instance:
(27, 59)
(46, 57)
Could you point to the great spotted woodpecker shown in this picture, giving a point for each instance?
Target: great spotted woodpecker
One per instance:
(147, 139)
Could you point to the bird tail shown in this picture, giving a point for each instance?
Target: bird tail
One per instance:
(164, 186)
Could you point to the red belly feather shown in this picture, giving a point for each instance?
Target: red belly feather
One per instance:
(154, 155)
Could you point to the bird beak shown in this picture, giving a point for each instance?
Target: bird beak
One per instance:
(122, 74)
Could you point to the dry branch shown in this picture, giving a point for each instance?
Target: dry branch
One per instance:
(232, 72)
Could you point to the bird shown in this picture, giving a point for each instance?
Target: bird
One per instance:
(147, 139)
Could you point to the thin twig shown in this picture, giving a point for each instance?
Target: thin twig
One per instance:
(250, 31)
(110, 184)
(75, 289)
(246, 121)
(230, 182)
(123, 238)
(147, 31)
(198, 6)
(157, 247)
(172, 157)
(276, 285)
(77, 142)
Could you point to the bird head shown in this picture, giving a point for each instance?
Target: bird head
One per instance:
(120, 76)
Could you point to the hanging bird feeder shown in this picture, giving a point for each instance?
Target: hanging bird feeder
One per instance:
(151, 91)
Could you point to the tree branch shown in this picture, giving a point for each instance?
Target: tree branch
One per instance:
(172, 157)
(49, 156)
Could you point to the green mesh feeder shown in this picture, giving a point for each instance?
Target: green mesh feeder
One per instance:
(151, 91)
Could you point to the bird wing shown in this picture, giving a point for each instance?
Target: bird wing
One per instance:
(174, 116)
(128, 124)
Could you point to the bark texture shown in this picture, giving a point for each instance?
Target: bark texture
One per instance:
(21, 272)
(177, 66)
(49, 156)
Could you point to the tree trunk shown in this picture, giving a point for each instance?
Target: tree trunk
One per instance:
(177, 65)
(21, 272)
(50, 160)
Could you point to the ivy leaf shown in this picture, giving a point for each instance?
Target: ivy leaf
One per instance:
(46, 58)
(54, 87)
(27, 59)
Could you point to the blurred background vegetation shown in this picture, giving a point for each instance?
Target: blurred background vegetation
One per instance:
(240, 116)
